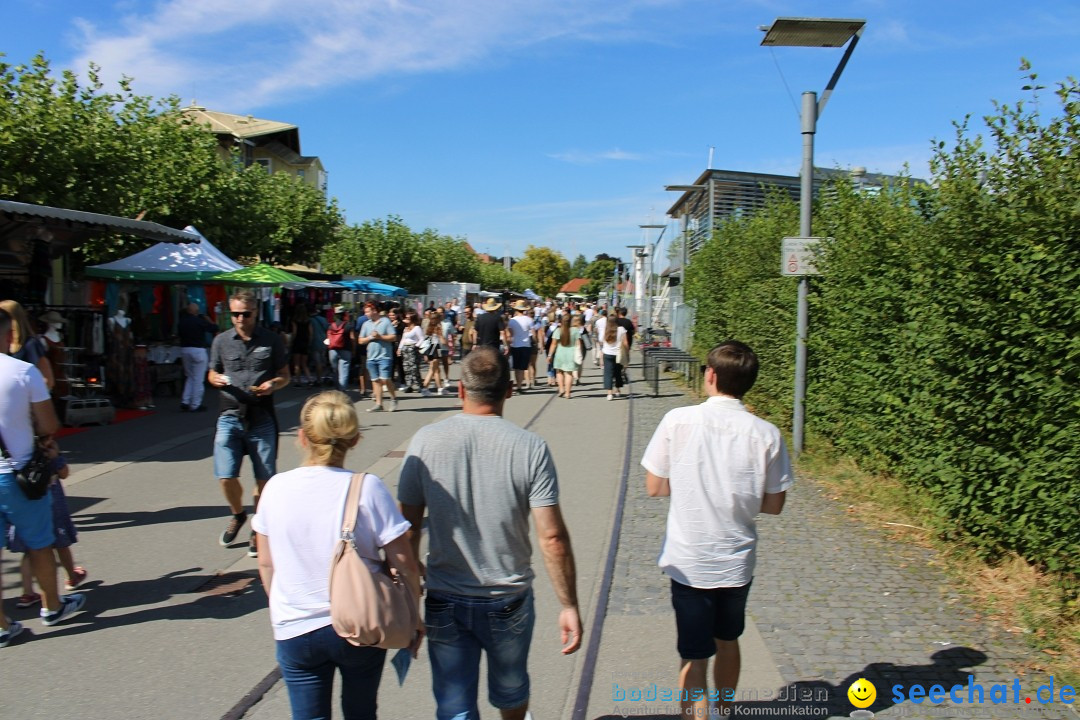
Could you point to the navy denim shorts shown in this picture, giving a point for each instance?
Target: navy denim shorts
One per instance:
(702, 614)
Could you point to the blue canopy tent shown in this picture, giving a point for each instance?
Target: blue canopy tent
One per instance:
(375, 288)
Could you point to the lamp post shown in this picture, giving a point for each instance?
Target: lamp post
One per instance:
(650, 253)
(809, 32)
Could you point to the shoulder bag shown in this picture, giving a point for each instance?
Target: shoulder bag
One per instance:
(368, 608)
(34, 478)
(586, 340)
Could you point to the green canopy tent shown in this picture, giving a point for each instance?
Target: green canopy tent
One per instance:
(261, 274)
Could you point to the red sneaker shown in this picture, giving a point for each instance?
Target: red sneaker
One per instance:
(79, 579)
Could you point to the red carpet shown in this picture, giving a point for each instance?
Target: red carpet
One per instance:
(121, 416)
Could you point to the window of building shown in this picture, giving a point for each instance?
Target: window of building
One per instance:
(265, 163)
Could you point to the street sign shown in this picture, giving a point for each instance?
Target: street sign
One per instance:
(797, 256)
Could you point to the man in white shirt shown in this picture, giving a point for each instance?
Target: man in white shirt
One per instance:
(722, 466)
(25, 408)
(519, 340)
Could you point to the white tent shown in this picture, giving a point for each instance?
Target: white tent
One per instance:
(164, 262)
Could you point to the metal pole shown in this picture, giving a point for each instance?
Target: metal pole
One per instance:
(806, 199)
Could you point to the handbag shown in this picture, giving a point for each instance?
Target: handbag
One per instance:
(423, 345)
(368, 608)
(586, 340)
(34, 477)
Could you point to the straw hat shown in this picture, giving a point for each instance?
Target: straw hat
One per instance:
(339, 309)
(520, 305)
(52, 317)
(491, 305)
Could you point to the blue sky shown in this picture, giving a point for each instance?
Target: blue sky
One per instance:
(558, 122)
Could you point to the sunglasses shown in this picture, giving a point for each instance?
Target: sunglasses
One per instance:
(243, 314)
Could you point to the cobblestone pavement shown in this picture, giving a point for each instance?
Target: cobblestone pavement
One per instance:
(836, 600)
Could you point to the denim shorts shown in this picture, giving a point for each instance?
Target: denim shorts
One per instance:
(702, 614)
(459, 628)
(381, 368)
(233, 441)
(33, 518)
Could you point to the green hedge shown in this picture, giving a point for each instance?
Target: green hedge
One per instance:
(944, 332)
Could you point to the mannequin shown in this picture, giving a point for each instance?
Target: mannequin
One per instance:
(121, 361)
(120, 319)
(54, 342)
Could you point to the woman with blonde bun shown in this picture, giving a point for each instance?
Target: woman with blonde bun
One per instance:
(297, 527)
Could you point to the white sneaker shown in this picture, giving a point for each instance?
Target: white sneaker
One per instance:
(376, 408)
(393, 406)
(610, 397)
(447, 384)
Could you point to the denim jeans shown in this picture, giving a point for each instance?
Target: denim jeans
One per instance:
(339, 361)
(458, 629)
(613, 372)
(307, 666)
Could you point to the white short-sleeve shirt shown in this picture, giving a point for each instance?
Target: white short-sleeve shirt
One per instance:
(21, 385)
(300, 511)
(720, 461)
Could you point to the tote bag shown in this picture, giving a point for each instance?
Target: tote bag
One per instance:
(368, 608)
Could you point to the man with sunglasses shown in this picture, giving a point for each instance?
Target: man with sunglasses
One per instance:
(248, 364)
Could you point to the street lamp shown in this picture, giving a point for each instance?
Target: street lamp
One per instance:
(809, 32)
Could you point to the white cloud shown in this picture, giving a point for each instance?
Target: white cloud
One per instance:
(262, 51)
(576, 157)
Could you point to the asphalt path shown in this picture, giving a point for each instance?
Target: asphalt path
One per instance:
(177, 626)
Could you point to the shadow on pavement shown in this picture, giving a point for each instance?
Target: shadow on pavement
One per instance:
(106, 598)
(820, 699)
(90, 521)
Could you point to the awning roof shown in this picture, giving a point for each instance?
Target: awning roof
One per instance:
(69, 228)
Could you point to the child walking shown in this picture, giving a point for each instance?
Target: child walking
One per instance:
(63, 528)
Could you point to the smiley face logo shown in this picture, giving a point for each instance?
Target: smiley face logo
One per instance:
(862, 693)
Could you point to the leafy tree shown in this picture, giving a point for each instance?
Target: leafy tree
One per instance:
(577, 268)
(548, 268)
(122, 154)
(601, 270)
(495, 277)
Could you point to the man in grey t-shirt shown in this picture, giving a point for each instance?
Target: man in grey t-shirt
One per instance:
(482, 477)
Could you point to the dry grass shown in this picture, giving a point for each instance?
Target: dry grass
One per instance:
(1009, 593)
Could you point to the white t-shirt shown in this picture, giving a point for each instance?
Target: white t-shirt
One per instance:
(520, 331)
(589, 312)
(611, 348)
(599, 326)
(300, 511)
(720, 461)
(20, 385)
(412, 336)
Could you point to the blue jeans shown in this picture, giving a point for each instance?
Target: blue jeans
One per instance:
(233, 441)
(339, 361)
(613, 372)
(458, 628)
(307, 666)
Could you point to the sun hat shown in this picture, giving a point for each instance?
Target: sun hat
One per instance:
(520, 305)
(52, 317)
(491, 305)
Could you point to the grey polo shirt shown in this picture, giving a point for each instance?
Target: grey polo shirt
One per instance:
(247, 363)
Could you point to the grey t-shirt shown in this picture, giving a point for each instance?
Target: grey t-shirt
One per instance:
(479, 476)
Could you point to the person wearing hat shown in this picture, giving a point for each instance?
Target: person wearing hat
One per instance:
(489, 327)
(520, 340)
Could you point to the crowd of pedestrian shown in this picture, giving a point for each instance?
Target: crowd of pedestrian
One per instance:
(472, 482)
